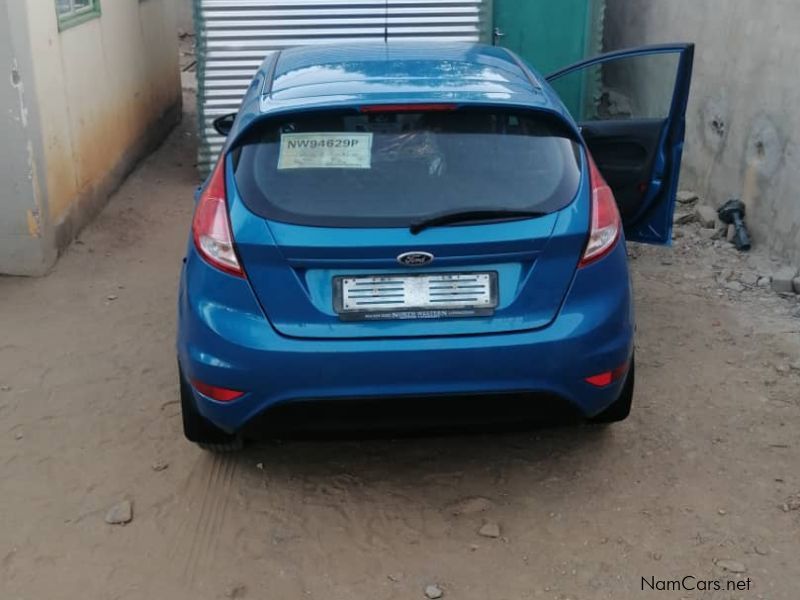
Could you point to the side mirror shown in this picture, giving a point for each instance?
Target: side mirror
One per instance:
(224, 124)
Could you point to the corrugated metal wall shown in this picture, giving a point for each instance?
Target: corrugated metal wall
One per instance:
(234, 36)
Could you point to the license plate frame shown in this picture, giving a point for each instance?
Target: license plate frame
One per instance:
(418, 296)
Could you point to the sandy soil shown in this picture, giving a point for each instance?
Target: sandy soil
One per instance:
(695, 483)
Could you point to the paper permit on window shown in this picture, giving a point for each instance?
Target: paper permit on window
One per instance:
(325, 151)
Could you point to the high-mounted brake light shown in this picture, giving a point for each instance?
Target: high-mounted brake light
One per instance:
(606, 222)
(383, 108)
(211, 227)
(217, 393)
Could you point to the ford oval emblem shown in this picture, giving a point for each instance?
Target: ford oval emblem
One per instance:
(415, 259)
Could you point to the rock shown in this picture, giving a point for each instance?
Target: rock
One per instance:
(159, 466)
(237, 591)
(433, 592)
(731, 566)
(687, 197)
(792, 503)
(111, 297)
(765, 282)
(470, 506)
(18, 436)
(490, 529)
(734, 286)
(749, 279)
(761, 550)
(683, 218)
(706, 216)
(5, 388)
(718, 234)
(783, 280)
(120, 514)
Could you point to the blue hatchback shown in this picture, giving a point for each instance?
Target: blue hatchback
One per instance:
(426, 221)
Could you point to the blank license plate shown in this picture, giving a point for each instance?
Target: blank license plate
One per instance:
(428, 296)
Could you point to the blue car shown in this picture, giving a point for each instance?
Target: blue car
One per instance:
(425, 223)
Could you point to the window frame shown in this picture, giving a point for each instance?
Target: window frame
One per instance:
(76, 17)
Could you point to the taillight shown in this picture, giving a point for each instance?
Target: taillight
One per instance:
(606, 223)
(211, 227)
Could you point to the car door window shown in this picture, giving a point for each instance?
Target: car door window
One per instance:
(634, 87)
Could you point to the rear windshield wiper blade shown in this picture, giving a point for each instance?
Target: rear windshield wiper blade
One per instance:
(467, 216)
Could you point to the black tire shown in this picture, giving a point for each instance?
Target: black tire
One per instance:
(621, 409)
(200, 430)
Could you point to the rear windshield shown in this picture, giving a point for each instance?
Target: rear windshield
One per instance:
(390, 169)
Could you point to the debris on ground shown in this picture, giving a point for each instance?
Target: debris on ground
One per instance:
(433, 592)
(732, 214)
(731, 566)
(792, 503)
(120, 514)
(490, 529)
(783, 280)
(687, 197)
(706, 216)
(470, 506)
(159, 466)
(236, 592)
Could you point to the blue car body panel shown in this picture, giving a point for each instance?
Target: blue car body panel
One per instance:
(226, 338)
(556, 324)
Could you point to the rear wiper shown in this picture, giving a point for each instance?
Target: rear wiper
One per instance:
(467, 216)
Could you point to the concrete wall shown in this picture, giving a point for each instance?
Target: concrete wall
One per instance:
(185, 16)
(21, 245)
(99, 96)
(743, 127)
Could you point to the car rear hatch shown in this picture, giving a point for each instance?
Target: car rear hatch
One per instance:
(322, 207)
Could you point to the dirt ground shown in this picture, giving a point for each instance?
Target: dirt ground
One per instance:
(701, 481)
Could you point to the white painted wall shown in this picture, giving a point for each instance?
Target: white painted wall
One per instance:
(98, 96)
(100, 85)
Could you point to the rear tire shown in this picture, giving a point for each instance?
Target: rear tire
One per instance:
(621, 409)
(200, 430)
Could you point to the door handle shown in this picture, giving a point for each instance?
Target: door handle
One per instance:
(497, 35)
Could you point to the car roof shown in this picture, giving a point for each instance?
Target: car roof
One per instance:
(399, 72)
(402, 71)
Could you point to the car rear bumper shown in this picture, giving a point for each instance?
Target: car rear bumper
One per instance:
(224, 339)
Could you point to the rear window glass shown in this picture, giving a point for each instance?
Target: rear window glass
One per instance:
(390, 169)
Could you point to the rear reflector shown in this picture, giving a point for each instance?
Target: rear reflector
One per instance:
(219, 394)
(607, 378)
(382, 108)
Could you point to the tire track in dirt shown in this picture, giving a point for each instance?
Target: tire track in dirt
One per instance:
(206, 496)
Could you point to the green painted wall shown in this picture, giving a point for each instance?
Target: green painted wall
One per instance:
(551, 34)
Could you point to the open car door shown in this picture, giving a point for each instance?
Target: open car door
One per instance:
(631, 106)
